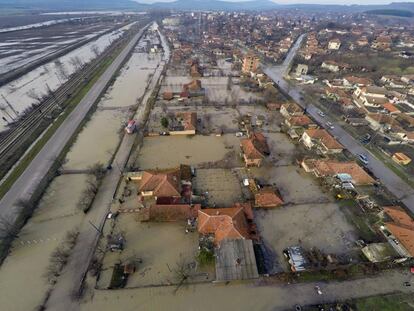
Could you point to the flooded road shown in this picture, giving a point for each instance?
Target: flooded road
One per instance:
(23, 269)
(98, 140)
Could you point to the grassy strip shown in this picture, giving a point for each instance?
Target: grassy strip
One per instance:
(27, 159)
(396, 302)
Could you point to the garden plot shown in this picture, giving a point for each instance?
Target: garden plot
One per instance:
(221, 187)
(164, 249)
(309, 225)
(163, 152)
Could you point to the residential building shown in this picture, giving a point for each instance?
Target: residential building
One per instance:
(322, 140)
(267, 198)
(401, 227)
(331, 168)
(250, 63)
(334, 44)
(227, 223)
(291, 109)
(254, 149)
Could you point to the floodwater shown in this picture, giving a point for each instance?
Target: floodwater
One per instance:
(151, 242)
(22, 92)
(22, 285)
(133, 80)
(215, 87)
(97, 141)
(171, 151)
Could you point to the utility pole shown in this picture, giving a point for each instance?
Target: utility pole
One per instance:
(10, 105)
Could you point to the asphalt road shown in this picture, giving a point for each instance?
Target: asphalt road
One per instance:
(75, 270)
(27, 183)
(387, 177)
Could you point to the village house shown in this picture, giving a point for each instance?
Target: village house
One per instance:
(254, 149)
(172, 186)
(331, 168)
(300, 122)
(399, 227)
(322, 140)
(291, 109)
(227, 223)
(384, 123)
(334, 44)
(330, 65)
(184, 123)
(267, 198)
(370, 96)
(250, 63)
(353, 82)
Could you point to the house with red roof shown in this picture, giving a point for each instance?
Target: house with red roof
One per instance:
(322, 140)
(254, 149)
(227, 223)
(401, 226)
(267, 198)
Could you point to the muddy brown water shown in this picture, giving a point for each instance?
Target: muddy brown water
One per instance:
(22, 285)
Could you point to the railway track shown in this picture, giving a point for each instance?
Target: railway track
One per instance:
(30, 123)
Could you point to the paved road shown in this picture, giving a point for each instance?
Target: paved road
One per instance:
(388, 178)
(77, 266)
(27, 183)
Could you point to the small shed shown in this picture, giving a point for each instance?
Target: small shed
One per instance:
(235, 260)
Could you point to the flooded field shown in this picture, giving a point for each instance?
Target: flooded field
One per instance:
(151, 242)
(18, 48)
(310, 218)
(97, 141)
(26, 91)
(22, 271)
(215, 87)
(171, 151)
(310, 225)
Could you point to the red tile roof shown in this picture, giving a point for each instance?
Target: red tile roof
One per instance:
(255, 147)
(324, 137)
(267, 198)
(166, 184)
(226, 223)
(401, 226)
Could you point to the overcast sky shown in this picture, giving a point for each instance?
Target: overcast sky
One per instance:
(308, 1)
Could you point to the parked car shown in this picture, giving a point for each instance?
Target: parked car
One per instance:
(363, 158)
(321, 114)
(330, 125)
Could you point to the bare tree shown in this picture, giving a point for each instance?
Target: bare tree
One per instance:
(76, 62)
(61, 70)
(33, 95)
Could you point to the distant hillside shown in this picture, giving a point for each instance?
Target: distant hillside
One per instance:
(71, 5)
(187, 5)
(399, 13)
(216, 5)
